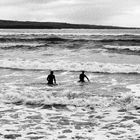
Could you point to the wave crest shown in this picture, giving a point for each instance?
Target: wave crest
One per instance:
(31, 39)
(121, 49)
(93, 67)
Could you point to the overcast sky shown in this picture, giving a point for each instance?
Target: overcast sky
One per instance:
(103, 12)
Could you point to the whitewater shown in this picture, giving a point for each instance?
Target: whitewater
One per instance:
(106, 108)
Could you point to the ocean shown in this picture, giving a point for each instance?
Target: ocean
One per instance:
(106, 108)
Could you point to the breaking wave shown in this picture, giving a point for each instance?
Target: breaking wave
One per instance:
(92, 67)
(18, 39)
(63, 38)
(121, 49)
(19, 47)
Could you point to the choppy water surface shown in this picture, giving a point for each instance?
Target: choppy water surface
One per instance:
(106, 108)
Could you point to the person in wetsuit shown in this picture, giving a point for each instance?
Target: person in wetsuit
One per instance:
(82, 77)
(51, 79)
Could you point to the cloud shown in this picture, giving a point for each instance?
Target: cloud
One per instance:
(111, 12)
(13, 2)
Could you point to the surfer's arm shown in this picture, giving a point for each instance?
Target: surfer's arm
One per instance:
(47, 78)
(87, 78)
(54, 80)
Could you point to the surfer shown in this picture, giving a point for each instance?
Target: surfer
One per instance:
(82, 76)
(51, 79)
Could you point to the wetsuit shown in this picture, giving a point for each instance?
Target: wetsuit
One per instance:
(50, 79)
(81, 77)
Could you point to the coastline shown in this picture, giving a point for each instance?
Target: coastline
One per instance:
(8, 24)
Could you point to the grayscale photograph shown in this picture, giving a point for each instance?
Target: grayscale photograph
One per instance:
(69, 69)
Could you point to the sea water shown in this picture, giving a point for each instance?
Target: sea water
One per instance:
(107, 107)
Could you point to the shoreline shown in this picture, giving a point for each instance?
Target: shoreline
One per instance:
(9, 24)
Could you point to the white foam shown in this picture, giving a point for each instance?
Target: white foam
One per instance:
(68, 65)
(135, 89)
(132, 48)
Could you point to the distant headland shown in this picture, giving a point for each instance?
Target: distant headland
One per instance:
(9, 24)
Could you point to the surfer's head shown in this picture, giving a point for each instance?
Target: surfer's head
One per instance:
(51, 72)
(83, 72)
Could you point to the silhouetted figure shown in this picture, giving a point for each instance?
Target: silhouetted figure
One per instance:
(82, 77)
(51, 78)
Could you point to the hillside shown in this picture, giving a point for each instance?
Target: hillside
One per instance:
(7, 24)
